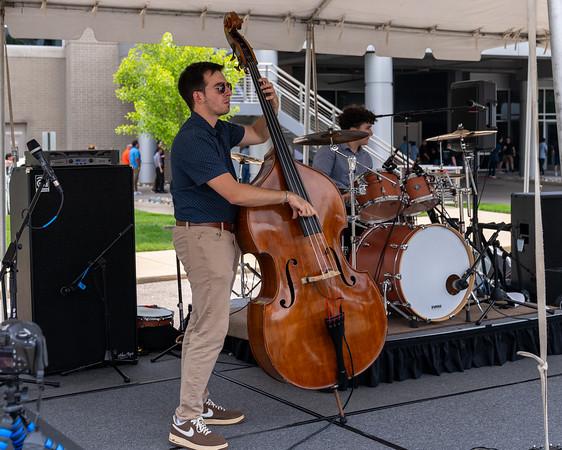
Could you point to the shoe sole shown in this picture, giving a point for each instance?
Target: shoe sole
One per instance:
(224, 421)
(176, 440)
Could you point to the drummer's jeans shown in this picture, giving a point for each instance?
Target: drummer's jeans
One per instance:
(210, 259)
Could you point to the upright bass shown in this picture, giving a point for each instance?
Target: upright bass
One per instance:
(316, 322)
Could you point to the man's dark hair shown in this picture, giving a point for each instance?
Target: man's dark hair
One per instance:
(353, 116)
(135, 143)
(193, 79)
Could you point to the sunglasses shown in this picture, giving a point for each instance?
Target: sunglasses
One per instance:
(222, 87)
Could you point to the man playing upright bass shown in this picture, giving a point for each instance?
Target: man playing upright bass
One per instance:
(206, 198)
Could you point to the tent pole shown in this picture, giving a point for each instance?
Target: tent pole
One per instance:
(2, 132)
(528, 130)
(555, 22)
(539, 240)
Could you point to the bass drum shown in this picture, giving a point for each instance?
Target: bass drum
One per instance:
(418, 263)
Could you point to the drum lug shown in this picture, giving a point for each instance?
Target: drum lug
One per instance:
(399, 246)
(392, 275)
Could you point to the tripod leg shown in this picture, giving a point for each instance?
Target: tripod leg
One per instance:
(126, 379)
(169, 350)
(485, 313)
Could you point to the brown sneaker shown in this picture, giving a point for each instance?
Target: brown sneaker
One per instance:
(217, 415)
(194, 434)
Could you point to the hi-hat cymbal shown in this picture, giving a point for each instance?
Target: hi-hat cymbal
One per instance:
(245, 159)
(461, 133)
(330, 137)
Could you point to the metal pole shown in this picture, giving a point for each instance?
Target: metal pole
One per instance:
(555, 22)
(2, 133)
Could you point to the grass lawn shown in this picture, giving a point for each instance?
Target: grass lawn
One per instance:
(496, 207)
(153, 231)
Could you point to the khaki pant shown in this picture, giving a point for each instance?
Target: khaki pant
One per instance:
(210, 258)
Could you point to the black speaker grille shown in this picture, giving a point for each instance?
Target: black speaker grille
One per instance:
(98, 206)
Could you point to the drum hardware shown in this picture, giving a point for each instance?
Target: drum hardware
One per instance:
(182, 323)
(244, 159)
(461, 133)
(497, 292)
(330, 137)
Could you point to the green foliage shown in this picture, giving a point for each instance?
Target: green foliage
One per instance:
(148, 79)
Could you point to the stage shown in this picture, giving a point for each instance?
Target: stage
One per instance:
(494, 407)
(433, 348)
(438, 404)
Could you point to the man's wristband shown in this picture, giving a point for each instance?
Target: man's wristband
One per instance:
(286, 197)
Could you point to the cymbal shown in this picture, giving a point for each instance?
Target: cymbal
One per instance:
(461, 133)
(245, 159)
(330, 137)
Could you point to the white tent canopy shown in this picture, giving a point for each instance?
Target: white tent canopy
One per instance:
(458, 30)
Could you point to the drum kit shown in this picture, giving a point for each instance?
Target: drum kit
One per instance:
(414, 265)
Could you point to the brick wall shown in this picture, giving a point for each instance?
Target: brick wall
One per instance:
(68, 90)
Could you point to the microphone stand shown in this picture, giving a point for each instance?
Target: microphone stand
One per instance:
(9, 261)
(497, 292)
(100, 263)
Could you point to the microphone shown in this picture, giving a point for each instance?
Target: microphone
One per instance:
(455, 284)
(37, 152)
(474, 106)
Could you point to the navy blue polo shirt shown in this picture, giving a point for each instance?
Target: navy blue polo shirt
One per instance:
(199, 154)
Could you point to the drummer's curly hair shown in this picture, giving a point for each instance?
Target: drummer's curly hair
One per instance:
(353, 116)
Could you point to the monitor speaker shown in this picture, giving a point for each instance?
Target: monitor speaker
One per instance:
(523, 243)
(463, 93)
(98, 207)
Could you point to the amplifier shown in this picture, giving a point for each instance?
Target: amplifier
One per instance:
(63, 158)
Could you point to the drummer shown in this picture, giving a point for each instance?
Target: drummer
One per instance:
(353, 118)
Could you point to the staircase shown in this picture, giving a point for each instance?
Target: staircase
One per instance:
(291, 94)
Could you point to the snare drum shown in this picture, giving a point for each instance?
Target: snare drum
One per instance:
(416, 264)
(382, 200)
(421, 195)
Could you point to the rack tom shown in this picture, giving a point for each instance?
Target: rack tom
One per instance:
(382, 200)
(421, 195)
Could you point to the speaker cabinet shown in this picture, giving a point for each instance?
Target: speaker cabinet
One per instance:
(523, 243)
(98, 206)
(484, 93)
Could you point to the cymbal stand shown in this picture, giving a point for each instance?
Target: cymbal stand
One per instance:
(352, 165)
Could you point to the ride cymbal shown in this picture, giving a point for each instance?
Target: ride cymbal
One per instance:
(245, 159)
(461, 133)
(330, 137)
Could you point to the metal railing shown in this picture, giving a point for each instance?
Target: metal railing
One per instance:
(292, 97)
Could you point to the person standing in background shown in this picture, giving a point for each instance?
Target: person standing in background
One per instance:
(159, 156)
(135, 163)
(125, 155)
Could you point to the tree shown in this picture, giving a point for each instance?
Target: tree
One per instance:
(148, 79)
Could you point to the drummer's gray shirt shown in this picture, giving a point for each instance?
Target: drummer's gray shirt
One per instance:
(336, 167)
